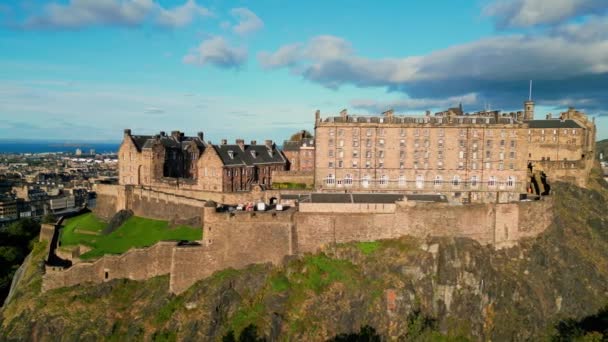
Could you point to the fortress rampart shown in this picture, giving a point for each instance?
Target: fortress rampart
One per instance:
(241, 238)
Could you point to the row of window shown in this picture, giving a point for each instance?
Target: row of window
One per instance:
(417, 165)
(565, 131)
(426, 143)
(419, 131)
(419, 182)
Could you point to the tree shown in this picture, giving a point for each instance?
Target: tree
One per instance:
(303, 134)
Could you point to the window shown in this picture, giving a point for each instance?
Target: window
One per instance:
(341, 143)
(402, 142)
(340, 154)
(512, 143)
(348, 180)
(511, 181)
(368, 143)
(231, 154)
(368, 132)
(330, 179)
(340, 132)
(416, 143)
(401, 165)
(488, 166)
(331, 153)
(402, 180)
(365, 181)
(384, 180)
(474, 181)
(381, 164)
(355, 131)
(368, 154)
(380, 154)
(456, 181)
(355, 164)
(462, 132)
(356, 143)
(501, 156)
(438, 181)
(440, 143)
(492, 181)
(332, 132)
(368, 164)
(355, 153)
(331, 142)
(502, 143)
(381, 142)
(382, 131)
(489, 143)
(330, 165)
(402, 132)
(512, 155)
(419, 181)
(340, 163)
(425, 132)
(417, 132)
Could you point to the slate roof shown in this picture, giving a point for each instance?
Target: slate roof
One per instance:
(147, 141)
(295, 145)
(246, 158)
(553, 123)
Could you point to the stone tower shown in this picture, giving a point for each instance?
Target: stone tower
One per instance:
(528, 110)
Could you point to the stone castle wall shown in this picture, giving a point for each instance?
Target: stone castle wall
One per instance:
(135, 264)
(238, 239)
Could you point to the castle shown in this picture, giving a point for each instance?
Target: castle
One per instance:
(375, 177)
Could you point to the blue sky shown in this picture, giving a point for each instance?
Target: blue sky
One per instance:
(86, 69)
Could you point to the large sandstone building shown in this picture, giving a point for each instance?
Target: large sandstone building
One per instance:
(178, 161)
(480, 157)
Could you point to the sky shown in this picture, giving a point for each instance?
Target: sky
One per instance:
(87, 69)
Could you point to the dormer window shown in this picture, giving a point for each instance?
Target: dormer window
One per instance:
(254, 154)
(270, 152)
(231, 154)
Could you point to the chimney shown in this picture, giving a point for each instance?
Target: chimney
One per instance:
(176, 134)
(343, 113)
(162, 133)
(389, 113)
(127, 131)
(268, 143)
(224, 141)
(427, 113)
(201, 136)
(254, 142)
(241, 143)
(317, 115)
(549, 116)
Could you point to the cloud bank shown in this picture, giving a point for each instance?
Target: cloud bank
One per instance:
(216, 51)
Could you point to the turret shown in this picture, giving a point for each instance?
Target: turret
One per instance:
(528, 110)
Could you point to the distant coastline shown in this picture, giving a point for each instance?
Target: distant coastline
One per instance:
(66, 146)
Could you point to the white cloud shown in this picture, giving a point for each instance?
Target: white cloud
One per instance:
(527, 13)
(84, 13)
(218, 52)
(248, 21)
(182, 15)
(497, 69)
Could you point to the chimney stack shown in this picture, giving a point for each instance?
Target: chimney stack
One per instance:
(317, 116)
(254, 142)
(127, 131)
(224, 141)
(389, 113)
(343, 113)
(549, 116)
(241, 143)
(201, 136)
(162, 133)
(268, 143)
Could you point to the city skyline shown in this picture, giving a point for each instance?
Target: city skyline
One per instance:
(85, 70)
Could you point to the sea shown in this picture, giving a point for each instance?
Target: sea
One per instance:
(42, 146)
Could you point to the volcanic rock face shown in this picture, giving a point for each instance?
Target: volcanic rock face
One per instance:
(457, 286)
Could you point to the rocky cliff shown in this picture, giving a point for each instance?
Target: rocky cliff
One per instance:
(401, 288)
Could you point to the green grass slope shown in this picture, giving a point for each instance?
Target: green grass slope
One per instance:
(135, 232)
(401, 288)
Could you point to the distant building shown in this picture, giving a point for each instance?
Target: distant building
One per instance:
(92, 152)
(191, 163)
(8, 208)
(300, 153)
(78, 152)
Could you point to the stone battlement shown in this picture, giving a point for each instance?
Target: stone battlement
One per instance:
(240, 238)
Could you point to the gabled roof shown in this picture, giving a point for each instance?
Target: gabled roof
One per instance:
(553, 123)
(148, 141)
(261, 155)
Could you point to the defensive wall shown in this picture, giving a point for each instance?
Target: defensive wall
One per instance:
(236, 239)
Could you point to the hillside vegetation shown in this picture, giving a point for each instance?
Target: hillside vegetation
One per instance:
(434, 289)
